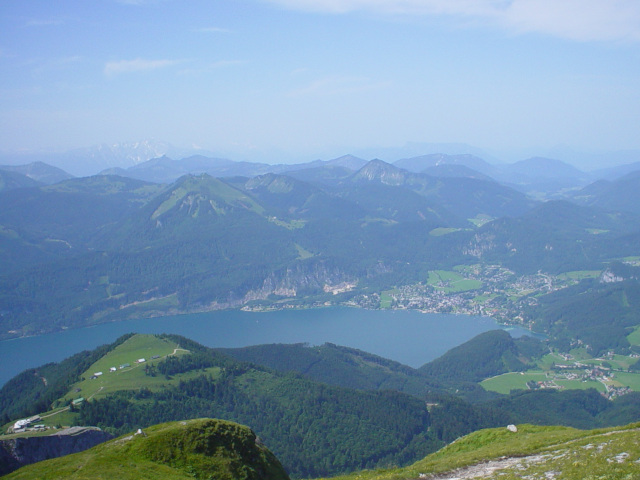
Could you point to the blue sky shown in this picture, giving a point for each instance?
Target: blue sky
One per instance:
(314, 78)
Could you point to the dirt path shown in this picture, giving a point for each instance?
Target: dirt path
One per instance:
(55, 413)
(482, 469)
(95, 393)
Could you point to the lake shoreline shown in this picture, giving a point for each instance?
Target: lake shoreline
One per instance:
(409, 337)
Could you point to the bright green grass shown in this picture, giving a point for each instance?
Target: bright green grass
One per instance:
(581, 385)
(512, 381)
(302, 253)
(577, 454)
(451, 282)
(386, 299)
(621, 362)
(634, 337)
(201, 448)
(628, 379)
(480, 219)
(134, 348)
(62, 417)
(635, 261)
(580, 354)
(546, 362)
(481, 299)
(440, 231)
(580, 274)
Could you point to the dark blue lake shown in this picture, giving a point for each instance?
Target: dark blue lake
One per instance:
(409, 337)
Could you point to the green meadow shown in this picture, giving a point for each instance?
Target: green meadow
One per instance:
(451, 282)
(512, 381)
(131, 377)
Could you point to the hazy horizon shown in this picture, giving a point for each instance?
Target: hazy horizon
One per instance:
(266, 79)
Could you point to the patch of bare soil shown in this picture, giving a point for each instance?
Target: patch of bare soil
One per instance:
(483, 469)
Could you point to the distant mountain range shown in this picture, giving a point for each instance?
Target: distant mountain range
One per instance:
(534, 174)
(100, 248)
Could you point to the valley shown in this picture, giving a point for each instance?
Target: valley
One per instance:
(366, 252)
(314, 240)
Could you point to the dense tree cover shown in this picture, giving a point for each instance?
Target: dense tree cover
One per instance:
(555, 237)
(340, 366)
(318, 430)
(575, 408)
(600, 315)
(34, 390)
(486, 355)
(458, 371)
(79, 251)
(453, 417)
(315, 430)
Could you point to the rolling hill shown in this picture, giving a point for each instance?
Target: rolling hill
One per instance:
(313, 428)
(200, 448)
(42, 173)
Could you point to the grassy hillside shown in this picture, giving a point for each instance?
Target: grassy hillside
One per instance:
(532, 452)
(201, 448)
(130, 373)
(206, 448)
(310, 426)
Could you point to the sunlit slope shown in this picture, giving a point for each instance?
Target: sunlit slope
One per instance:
(129, 366)
(201, 448)
(531, 452)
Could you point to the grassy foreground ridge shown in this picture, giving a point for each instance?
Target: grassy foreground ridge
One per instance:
(533, 452)
(202, 448)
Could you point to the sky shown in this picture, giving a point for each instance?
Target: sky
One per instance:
(310, 78)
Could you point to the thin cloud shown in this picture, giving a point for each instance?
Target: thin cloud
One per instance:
(137, 65)
(582, 20)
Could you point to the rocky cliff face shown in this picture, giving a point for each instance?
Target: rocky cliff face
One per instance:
(20, 451)
(289, 282)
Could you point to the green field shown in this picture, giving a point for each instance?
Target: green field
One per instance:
(302, 253)
(579, 274)
(548, 360)
(440, 231)
(631, 380)
(386, 299)
(512, 381)
(480, 219)
(451, 282)
(128, 378)
(634, 337)
(581, 385)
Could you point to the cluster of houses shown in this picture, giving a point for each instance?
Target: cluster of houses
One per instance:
(29, 424)
(123, 366)
(26, 425)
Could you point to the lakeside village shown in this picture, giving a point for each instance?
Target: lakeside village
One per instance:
(486, 290)
(582, 372)
(497, 292)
